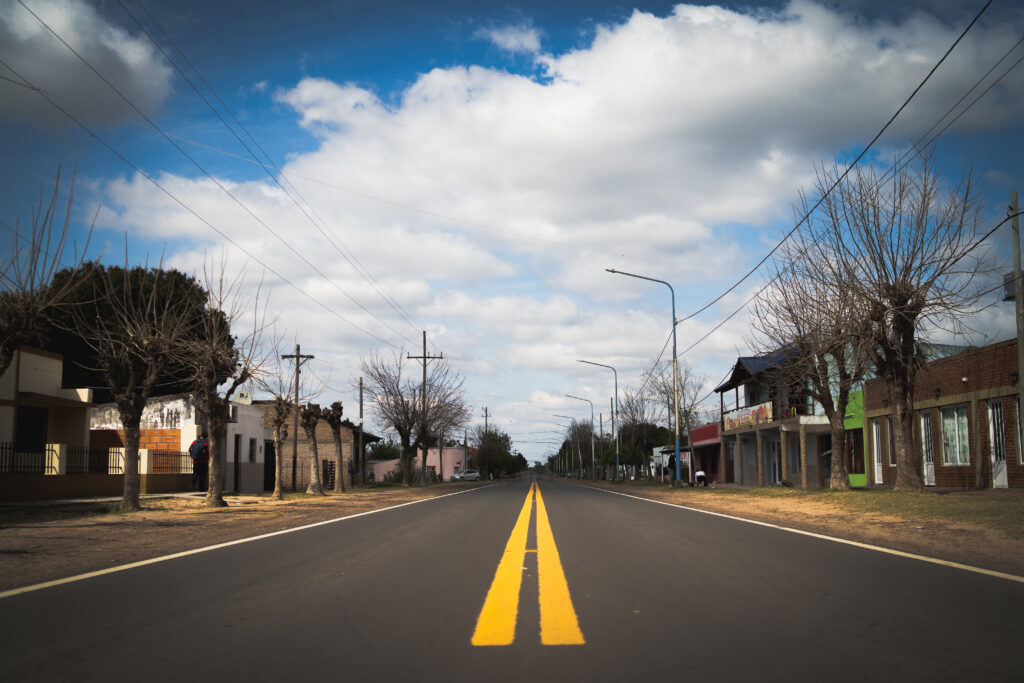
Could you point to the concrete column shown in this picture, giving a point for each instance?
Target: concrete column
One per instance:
(803, 456)
(784, 446)
(739, 460)
(145, 461)
(760, 457)
(56, 458)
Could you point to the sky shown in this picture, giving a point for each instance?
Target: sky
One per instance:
(471, 169)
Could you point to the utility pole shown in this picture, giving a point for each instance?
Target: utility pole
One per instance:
(299, 360)
(485, 418)
(1018, 290)
(423, 397)
(362, 456)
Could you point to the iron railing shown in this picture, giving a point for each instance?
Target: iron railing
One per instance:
(33, 461)
(85, 460)
(171, 462)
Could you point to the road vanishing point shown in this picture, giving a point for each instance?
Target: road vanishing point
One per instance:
(523, 580)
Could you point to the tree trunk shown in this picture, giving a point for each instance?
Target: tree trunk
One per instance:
(130, 498)
(840, 478)
(908, 477)
(278, 463)
(315, 488)
(339, 462)
(217, 434)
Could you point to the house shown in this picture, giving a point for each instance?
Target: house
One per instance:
(170, 424)
(966, 421)
(44, 431)
(295, 458)
(452, 459)
(708, 454)
(772, 431)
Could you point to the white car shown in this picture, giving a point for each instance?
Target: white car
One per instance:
(456, 476)
(470, 475)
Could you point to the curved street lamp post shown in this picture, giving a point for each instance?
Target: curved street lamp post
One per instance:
(614, 414)
(593, 462)
(675, 381)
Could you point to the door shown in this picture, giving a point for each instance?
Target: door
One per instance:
(775, 461)
(997, 442)
(876, 443)
(927, 449)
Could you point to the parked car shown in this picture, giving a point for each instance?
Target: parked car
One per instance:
(457, 476)
(470, 475)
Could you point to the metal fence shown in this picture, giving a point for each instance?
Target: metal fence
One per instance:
(85, 460)
(171, 462)
(35, 461)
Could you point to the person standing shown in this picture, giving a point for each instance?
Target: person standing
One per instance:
(199, 451)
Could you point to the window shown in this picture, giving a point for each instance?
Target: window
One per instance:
(892, 442)
(927, 446)
(252, 450)
(996, 433)
(1020, 433)
(955, 446)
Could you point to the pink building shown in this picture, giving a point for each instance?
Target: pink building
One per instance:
(454, 459)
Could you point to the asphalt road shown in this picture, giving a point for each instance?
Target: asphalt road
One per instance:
(658, 593)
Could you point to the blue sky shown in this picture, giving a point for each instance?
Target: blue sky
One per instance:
(485, 163)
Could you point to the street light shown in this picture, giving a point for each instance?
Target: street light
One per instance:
(602, 365)
(569, 417)
(675, 383)
(593, 463)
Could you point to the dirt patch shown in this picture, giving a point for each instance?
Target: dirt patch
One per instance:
(42, 543)
(972, 544)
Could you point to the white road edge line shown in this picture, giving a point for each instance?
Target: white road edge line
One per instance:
(834, 539)
(196, 551)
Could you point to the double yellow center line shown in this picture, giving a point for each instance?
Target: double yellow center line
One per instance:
(496, 624)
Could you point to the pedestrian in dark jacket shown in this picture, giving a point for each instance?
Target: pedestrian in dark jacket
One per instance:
(199, 451)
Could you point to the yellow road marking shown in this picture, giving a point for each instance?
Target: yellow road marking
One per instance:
(496, 624)
(558, 622)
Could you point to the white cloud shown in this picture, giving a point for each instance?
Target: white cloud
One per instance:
(671, 147)
(130, 63)
(522, 38)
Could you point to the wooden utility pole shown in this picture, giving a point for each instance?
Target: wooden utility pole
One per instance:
(1018, 295)
(299, 360)
(362, 456)
(486, 415)
(423, 397)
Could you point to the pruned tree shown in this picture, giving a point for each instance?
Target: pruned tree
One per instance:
(28, 290)
(227, 352)
(332, 416)
(907, 250)
(309, 418)
(690, 385)
(133, 319)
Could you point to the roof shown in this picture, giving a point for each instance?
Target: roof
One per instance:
(748, 367)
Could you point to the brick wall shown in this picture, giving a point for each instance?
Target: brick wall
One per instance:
(974, 379)
(153, 439)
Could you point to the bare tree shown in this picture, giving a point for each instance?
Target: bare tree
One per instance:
(134, 319)
(221, 359)
(27, 289)
(332, 416)
(817, 330)
(398, 405)
(907, 249)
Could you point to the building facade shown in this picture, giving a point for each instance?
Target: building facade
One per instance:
(966, 429)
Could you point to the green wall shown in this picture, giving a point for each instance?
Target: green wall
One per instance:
(854, 419)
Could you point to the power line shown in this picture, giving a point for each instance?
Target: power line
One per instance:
(199, 166)
(192, 211)
(846, 172)
(330, 237)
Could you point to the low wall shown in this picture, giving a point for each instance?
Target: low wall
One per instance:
(28, 487)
